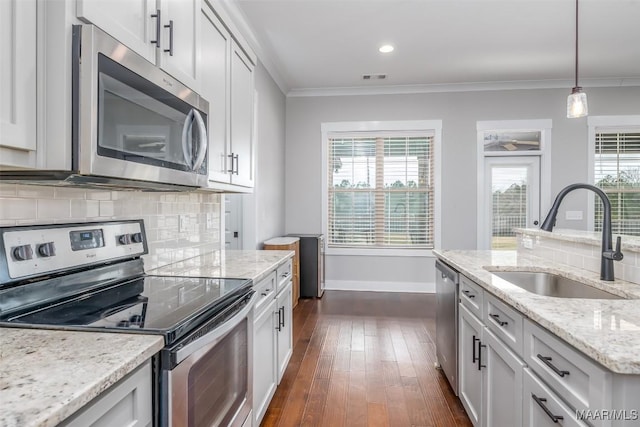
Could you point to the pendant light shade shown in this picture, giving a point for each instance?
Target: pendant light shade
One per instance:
(577, 101)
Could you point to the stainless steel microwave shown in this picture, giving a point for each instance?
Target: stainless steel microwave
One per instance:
(131, 120)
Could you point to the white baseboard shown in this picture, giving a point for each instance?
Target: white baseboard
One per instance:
(356, 285)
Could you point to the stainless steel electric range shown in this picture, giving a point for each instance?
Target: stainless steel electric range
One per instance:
(91, 277)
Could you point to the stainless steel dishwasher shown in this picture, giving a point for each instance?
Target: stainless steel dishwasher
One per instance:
(447, 322)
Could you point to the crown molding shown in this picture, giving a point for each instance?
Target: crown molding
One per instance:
(228, 10)
(460, 87)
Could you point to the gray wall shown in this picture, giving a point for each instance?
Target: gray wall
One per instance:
(459, 112)
(264, 210)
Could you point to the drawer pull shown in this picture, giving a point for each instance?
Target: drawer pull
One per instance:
(496, 318)
(285, 274)
(547, 361)
(468, 294)
(540, 401)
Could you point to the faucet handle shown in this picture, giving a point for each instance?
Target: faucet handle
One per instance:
(617, 255)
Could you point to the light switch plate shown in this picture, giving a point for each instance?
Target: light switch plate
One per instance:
(573, 215)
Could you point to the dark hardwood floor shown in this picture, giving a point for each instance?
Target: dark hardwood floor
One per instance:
(364, 359)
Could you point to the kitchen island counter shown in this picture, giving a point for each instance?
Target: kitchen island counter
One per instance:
(608, 331)
(46, 376)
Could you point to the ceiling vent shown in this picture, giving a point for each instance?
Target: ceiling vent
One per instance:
(374, 76)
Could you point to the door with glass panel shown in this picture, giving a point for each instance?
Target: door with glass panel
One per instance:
(512, 198)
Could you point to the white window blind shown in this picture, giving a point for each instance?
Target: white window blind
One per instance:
(617, 173)
(381, 191)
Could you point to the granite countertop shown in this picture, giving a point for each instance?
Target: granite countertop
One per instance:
(608, 331)
(244, 264)
(46, 375)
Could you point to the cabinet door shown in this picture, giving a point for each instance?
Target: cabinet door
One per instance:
(128, 21)
(242, 117)
(214, 63)
(469, 370)
(18, 82)
(502, 383)
(285, 332)
(180, 50)
(264, 360)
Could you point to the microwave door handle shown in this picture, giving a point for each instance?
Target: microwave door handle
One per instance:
(202, 149)
(186, 146)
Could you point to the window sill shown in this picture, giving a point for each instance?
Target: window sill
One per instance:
(380, 252)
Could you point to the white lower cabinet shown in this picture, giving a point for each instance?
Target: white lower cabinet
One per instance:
(490, 375)
(265, 378)
(285, 328)
(503, 383)
(469, 370)
(272, 338)
(127, 403)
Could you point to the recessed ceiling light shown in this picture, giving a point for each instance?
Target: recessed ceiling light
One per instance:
(386, 48)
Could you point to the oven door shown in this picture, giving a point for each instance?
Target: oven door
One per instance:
(133, 120)
(211, 382)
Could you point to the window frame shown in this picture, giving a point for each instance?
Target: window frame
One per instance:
(330, 129)
(596, 124)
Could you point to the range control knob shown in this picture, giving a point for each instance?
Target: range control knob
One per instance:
(46, 250)
(136, 237)
(22, 253)
(124, 239)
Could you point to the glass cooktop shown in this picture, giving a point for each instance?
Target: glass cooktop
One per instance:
(167, 305)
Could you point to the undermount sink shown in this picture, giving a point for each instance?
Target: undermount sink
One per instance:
(553, 285)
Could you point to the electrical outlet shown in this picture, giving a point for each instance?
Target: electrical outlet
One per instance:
(183, 223)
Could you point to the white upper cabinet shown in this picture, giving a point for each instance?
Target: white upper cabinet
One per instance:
(215, 88)
(134, 23)
(227, 82)
(242, 143)
(167, 35)
(180, 41)
(17, 83)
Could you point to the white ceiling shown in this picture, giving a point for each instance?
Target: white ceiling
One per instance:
(329, 44)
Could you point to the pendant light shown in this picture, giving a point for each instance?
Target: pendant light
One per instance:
(577, 101)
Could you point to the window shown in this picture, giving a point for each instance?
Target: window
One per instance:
(380, 189)
(616, 170)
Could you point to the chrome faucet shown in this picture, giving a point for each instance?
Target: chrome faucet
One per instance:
(608, 254)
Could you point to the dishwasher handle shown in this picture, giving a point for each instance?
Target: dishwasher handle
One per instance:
(446, 272)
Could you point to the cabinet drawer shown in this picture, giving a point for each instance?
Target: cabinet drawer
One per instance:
(284, 273)
(538, 399)
(127, 403)
(265, 291)
(471, 296)
(504, 322)
(581, 382)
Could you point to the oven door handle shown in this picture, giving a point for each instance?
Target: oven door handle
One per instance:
(215, 335)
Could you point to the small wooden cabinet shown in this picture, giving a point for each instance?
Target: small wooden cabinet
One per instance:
(289, 244)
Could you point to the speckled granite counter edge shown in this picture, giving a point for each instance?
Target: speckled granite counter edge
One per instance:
(546, 312)
(24, 369)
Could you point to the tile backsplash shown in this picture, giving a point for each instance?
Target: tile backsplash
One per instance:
(178, 225)
(572, 248)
